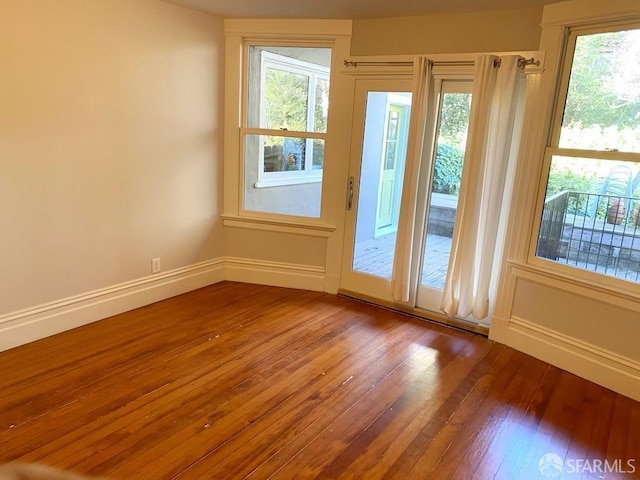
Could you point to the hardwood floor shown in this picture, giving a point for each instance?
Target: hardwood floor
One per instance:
(235, 381)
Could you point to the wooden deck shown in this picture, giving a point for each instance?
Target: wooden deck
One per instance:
(375, 256)
(241, 381)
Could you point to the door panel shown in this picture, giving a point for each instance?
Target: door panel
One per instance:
(447, 164)
(380, 129)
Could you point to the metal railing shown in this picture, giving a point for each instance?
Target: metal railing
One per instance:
(553, 218)
(592, 231)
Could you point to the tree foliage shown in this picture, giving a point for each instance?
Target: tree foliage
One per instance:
(604, 87)
(452, 137)
(286, 100)
(454, 119)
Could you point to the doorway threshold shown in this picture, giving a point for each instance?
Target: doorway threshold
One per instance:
(420, 313)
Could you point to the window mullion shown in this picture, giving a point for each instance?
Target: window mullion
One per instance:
(282, 133)
(612, 155)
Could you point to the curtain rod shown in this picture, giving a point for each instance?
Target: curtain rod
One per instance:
(348, 63)
(522, 62)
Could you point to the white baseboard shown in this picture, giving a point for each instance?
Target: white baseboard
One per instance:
(32, 324)
(28, 325)
(596, 364)
(305, 277)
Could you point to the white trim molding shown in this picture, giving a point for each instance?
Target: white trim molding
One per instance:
(31, 324)
(611, 370)
(28, 325)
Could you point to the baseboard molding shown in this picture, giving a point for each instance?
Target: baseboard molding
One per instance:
(596, 364)
(28, 325)
(32, 324)
(277, 274)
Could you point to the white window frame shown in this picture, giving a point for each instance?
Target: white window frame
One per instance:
(334, 34)
(314, 72)
(552, 149)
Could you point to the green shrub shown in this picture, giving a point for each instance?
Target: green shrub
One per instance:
(560, 180)
(448, 170)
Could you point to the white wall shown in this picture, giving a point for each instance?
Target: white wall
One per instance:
(110, 151)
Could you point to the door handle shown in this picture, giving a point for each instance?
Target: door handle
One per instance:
(350, 194)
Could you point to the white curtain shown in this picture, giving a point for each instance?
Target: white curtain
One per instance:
(489, 144)
(402, 281)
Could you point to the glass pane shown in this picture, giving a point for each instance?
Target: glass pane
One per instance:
(392, 138)
(591, 216)
(286, 100)
(288, 88)
(603, 99)
(317, 162)
(378, 204)
(450, 146)
(283, 175)
(321, 104)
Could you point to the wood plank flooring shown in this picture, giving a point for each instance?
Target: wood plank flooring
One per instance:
(244, 381)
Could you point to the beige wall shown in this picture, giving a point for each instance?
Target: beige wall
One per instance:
(275, 246)
(612, 328)
(504, 30)
(110, 151)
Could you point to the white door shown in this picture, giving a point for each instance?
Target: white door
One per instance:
(446, 164)
(376, 170)
(369, 251)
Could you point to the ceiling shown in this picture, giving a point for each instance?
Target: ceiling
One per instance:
(349, 9)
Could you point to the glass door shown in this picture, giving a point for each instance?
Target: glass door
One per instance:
(446, 173)
(381, 127)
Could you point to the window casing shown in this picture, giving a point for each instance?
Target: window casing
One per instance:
(590, 219)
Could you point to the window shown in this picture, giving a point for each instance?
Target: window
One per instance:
(285, 128)
(591, 213)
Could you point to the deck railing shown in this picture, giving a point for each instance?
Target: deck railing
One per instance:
(592, 231)
(553, 216)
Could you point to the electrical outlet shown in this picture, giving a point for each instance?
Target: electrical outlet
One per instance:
(155, 265)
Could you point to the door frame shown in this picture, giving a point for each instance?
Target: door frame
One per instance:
(379, 291)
